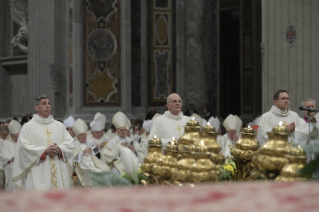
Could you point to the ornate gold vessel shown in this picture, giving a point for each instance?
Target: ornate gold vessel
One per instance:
(191, 133)
(209, 136)
(246, 147)
(203, 170)
(243, 152)
(271, 156)
(154, 154)
(290, 172)
(167, 162)
(182, 172)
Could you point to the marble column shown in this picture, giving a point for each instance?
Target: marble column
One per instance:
(47, 50)
(195, 56)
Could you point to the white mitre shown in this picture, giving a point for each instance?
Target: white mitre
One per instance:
(69, 122)
(240, 124)
(232, 123)
(96, 126)
(214, 122)
(14, 127)
(120, 120)
(200, 120)
(100, 117)
(80, 127)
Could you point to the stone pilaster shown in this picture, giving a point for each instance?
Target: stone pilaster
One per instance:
(195, 57)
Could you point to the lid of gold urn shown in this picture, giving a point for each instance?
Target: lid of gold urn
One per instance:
(188, 148)
(247, 140)
(155, 142)
(281, 129)
(208, 128)
(192, 122)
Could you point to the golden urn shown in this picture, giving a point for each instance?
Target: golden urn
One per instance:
(271, 155)
(246, 147)
(154, 154)
(167, 162)
(203, 170)
(290, 172)
(191, 132)
(209, 136)
(182, 171)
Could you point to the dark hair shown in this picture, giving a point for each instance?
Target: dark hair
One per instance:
(139, 127)
(139, 122)
(113, 127)
(38, 98)
(276, 95)
(15, 118)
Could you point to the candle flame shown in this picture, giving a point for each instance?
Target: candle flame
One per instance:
(202, 143)
(280, 123)
(173, 138)
(172, 142)
(154, 136)
(208, 124)
(193, 118)
(248, 126)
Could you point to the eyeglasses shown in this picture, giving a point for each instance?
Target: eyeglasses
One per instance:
(284, 99)
(175, 101)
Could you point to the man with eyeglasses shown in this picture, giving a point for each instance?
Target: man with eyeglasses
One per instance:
(280, 111)
(171, 123)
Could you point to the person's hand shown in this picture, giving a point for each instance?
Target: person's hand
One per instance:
(291, 127)
(87, 150)
(124, 144)
(52, 150)
(131, 147)
(98, 146)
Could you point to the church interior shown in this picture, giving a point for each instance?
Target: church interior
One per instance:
(226, 57)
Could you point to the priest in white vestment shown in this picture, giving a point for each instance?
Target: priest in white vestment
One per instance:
(233, 125)
(171, 123)
(84, 158)
(280, 111)
(44, 152)
(111, 153)
(7, 153)
(96, 133)
(4, 131)
(69, 122)
(312, 125)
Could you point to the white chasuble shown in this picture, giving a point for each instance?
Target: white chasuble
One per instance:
(6, 154)
(84, 163)
(90, 139)
(31, 173)
(226, 143)
(272, 119)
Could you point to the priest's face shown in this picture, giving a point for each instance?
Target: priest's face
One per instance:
(43, 108)
(121, 131)
(97, 134)
(70, 130)
(175, 104)
(4, 134)
(81, 137)
(15, 137)
(310, 105)
(141, 131)
(282, 102)
(231, 134)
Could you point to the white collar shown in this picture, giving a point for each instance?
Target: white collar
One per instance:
(43, 119)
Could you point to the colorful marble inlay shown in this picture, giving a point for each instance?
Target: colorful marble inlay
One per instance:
(162, 50)
(101, 53)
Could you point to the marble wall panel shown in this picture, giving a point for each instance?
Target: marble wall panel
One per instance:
(101, 53)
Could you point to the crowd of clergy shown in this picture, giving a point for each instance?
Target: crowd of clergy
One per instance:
(42, 153)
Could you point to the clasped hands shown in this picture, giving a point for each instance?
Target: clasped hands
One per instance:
(52, 150)
(291, 127)
(131, 146)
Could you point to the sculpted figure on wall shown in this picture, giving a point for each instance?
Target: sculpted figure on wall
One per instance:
(19, 14)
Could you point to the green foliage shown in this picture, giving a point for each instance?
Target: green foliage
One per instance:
(225, 175)
(108, 179)
(310, 168)
(140, 175)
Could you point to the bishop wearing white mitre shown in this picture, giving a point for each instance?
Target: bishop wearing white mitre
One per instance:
(8, 151)
(84, 158)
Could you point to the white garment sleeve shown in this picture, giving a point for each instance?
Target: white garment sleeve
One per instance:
(78, 158)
